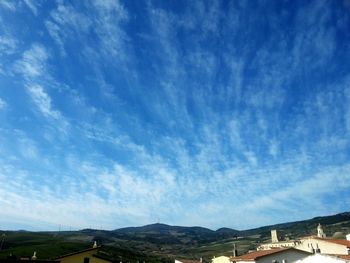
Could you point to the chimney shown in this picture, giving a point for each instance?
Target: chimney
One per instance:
(95, 244)
(348, 237)
(34, 256)
(200, 260)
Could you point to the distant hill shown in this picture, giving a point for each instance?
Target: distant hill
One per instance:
(163, 243)
(164, 229)
(339, 222)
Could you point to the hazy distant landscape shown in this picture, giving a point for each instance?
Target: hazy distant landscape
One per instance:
(220, 120)
(160, 242)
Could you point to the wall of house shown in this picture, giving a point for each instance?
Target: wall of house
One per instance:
(318, 258)
(290, 256)
(221, 259)
(324, 246)
(79, 258)
(268, 246)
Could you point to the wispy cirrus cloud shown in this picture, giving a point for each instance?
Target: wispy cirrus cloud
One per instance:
(3, 104)
(193, 108)
(8, 45)
(33, 62)
(32, 5)
(43, 101)
(8, 5)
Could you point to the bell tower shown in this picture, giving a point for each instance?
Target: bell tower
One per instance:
(320, 232)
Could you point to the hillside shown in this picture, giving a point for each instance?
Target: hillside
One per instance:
(162, 243)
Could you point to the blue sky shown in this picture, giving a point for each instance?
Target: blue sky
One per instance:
(211, 113)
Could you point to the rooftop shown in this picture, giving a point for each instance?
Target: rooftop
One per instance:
(262, 253)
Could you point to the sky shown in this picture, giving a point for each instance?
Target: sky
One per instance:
(193, 113)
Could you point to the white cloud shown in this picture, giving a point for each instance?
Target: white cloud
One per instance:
(8, 45)
(3, 104)
(42, 101)
(32, 5)
(66, 23)
(8, 4)
(216, 133)
(33, 62)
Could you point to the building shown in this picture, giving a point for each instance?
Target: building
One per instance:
(278, 255)
(325, 246)
(221, 259)
(320, 232)
(314, 244)
(84, 256)
(276, 243)
(188, 261)
(279, 244)
(319, 258)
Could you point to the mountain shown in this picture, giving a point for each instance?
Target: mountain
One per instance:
(163, 243)
(333, 223)
(164, 229)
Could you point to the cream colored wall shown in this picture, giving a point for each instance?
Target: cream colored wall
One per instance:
(276, 245)
(324, 246)
(221, 259)
(79, 258)
(318, 258)
(290, 257)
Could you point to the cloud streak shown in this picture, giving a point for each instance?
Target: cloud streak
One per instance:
(157, 111)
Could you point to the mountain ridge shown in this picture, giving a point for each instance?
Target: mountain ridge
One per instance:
(328, 219)
(169, 242)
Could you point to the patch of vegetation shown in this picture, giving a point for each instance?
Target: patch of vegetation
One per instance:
(162, 243)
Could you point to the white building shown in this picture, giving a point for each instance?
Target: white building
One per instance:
(278, 255)
(313, 244)
(188, 261)
(325, 246)
(319, 258)
(221, 259)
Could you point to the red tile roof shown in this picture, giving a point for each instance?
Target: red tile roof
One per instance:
(262, 253)
(346, 257)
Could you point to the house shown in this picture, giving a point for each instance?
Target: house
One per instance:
(319, 258)
(221, 259)
(188, 261)
(276, 243)
(278, 255)
(325, 246)
(314, 244)
(84, 256)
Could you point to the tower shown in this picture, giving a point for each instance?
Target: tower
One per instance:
(274, 238)
(320, 232)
